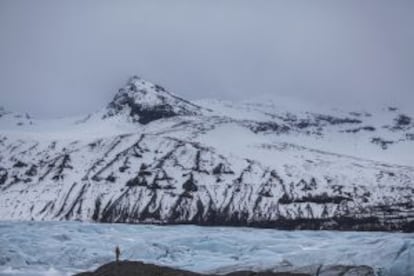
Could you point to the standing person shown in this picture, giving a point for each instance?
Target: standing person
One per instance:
(117, 253)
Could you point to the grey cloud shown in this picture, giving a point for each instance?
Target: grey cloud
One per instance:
(62, 58)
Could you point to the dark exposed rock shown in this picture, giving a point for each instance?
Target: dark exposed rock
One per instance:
(93, 144)
(317, 121)
(111, 178)
(62, 164)
(189, 185)
(137, 181)
(136, 268)
(356, 130)
(381, 142)
(3, 176)
(144, 171)
(96, 212)
(346, 270)
(19, 164)
(157, 112)
(258, 127)
(32, 171)
(123, 169)
(154, 186)
(265, 193)
(319, 198)
(307, 186)
(305, 124)
(337, 121)
(222, 169)
(146, 102)
(402, 120)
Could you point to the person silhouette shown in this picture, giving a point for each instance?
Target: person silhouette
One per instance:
(117, 253)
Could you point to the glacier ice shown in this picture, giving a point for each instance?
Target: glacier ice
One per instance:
(62, 248)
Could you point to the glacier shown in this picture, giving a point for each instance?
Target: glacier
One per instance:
(64, 248)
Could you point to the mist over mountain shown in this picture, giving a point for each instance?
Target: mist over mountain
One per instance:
(62, 59)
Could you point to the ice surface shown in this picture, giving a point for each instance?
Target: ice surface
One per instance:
(62, 248)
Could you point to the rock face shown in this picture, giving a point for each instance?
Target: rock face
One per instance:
(152, 157)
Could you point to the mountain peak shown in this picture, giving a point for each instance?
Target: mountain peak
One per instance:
(145, 102)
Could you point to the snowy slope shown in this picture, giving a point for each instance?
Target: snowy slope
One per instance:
(152, 157)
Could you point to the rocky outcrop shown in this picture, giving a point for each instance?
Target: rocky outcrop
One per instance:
(144, 102)
(129, 268)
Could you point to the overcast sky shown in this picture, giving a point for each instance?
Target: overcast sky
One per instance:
(60, 58)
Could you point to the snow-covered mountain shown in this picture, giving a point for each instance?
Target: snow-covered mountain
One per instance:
(153, 157)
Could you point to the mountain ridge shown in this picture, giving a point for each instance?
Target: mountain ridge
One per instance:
(210, 163)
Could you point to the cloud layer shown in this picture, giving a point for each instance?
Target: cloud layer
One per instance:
(64, 58)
